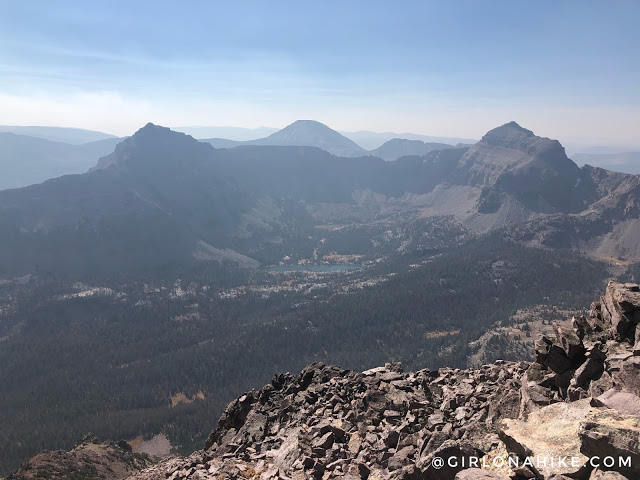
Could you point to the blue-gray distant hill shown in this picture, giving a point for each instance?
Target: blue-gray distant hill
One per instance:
(372, 140)
(302, 133)
(25, 160)
(309, 133)
(238, 134)
(626, 162)
(401, 147)
(74, 136)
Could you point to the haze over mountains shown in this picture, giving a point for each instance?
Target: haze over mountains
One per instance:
(73, 136)
(233, 263)
(400, 147)
(627, 162)
(373, 140)
(303, 133)
(364, 138)
(32, 156)
(27, 159)
(315, 134)
(230, 133)
(397, 239)
(184, 196)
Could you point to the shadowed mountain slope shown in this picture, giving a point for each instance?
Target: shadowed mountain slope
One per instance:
(511, 160)
(162, 196)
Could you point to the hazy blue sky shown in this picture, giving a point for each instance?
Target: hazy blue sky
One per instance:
(566, 69)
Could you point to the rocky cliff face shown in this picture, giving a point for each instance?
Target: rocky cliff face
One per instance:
(579, 399)
(512, 161)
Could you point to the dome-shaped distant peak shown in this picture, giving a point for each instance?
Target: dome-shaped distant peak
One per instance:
(308, 122)
(152, 127)
(510, 127)
(513, 124)
(506, 134)
(307, 125)
(310, 133)
(153, 132)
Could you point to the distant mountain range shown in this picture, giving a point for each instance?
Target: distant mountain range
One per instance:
(303, 133)
(34, 156)
(627, 162)
(74, 136)
(388, 146)
(231, 133)
(400, 147)
(26, 157)
(25, 160)
(372, 140)
(162, 196)
(392, 145)
(147, 284)
(365, 139)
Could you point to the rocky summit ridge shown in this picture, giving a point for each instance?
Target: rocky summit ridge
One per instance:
(579, 399)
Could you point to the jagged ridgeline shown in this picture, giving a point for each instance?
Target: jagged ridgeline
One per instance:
(164, 199)
(580, 399)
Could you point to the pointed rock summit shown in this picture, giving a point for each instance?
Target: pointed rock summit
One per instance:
(534, 170)
(154, 143)
(154, 136)
(512, 126)
(512, 135)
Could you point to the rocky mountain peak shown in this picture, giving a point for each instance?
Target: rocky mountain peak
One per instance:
(512, 135)
(533, 170)
(152, 143)
(510, 126)
(156, 136)
(152, 129)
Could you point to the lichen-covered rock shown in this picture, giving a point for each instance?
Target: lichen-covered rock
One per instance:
(608, 433)
(607, 475)
(479, 474)
(621, 308)
(623, 402)
(551, 431)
